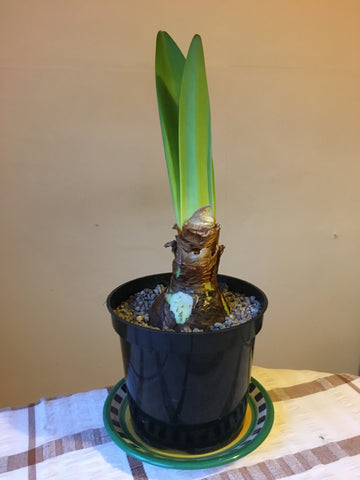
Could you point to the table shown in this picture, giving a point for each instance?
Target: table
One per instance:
(316, 435)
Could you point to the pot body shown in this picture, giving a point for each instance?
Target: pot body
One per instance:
(187, 391)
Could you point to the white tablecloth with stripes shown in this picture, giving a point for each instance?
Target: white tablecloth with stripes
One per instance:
(316, 435)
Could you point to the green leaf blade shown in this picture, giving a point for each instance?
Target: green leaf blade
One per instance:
(195, 152)
(169, 67)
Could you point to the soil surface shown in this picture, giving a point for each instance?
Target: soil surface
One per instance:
(136, 308)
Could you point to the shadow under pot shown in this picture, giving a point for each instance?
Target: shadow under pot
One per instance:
(187, 391)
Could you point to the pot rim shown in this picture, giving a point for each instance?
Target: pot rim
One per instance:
(164, 278)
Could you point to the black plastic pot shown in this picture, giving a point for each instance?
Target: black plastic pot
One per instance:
(186, 391)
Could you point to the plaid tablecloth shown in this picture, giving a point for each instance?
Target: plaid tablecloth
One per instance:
(316, 435)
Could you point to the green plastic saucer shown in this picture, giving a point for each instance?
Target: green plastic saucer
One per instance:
(259, 418)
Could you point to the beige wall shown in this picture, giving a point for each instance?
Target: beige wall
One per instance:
(85, 203)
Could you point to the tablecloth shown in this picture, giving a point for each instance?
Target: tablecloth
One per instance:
(315, 435)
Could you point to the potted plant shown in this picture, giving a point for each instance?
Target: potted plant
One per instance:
(187, 351)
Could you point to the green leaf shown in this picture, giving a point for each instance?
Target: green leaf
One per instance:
(196, 166)
(169, 67)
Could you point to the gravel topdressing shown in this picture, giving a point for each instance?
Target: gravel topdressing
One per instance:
(136, 308)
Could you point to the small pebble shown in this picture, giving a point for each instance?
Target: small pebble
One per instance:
(186, 329)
